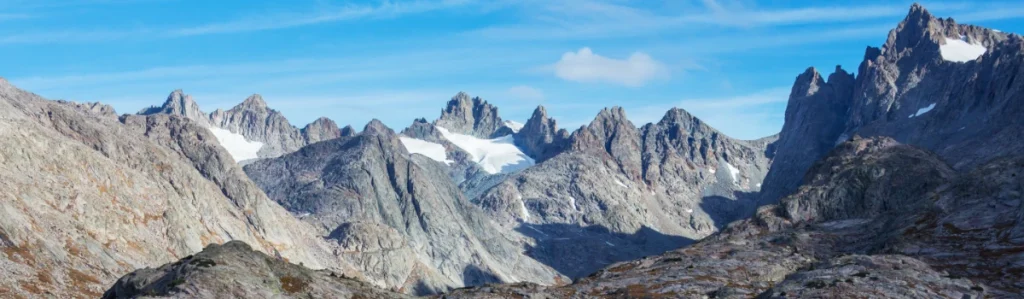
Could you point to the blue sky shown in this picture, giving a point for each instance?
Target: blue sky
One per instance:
(730, 63)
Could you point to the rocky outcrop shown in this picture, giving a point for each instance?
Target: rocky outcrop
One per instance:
(254, 121)
(396, 215)
(472, 116)
(876, 217)
(236, 270)
(540, 137)
(87, 197)
(812, 127)
(910, 90)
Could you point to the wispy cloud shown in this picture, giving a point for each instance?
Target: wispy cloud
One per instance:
(322, 14)
(589, 20)
(325, 14)
(586, 66)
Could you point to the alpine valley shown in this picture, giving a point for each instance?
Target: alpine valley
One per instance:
(902, 181)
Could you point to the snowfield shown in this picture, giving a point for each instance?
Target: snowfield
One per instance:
(498, 155)
(734, 172)
(432, 150)
(923, 110)
(958, 50)
(236, 145)
(514, 125)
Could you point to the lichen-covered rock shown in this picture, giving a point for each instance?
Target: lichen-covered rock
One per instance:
(234, 270)
(881, 276)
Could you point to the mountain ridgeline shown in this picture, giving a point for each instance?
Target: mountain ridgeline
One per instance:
(901, 181)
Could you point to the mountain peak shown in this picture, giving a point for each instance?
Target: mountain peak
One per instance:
(473, 116)
(375, 126)
(540, 137)
(919, 28)
(178, 103)
(807, 83)
(254, 101)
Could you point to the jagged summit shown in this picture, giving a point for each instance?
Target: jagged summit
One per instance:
(540, 136)
(375, 126)
(472, 116)
(254, 101)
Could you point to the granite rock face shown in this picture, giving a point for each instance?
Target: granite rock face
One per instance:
(255, 122)
(236, 270)
(88, 197)
(396, 216)
(907, 90)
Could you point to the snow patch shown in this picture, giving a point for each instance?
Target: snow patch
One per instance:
(958, 50)
(689, 211)
(432, 150)
(498, 155)
(236, 144)
(711, 170)
(617, 181)
(759, 185)
(522, 208)
(923, 110)
(572, 202)
(735, 173)
(514, 125)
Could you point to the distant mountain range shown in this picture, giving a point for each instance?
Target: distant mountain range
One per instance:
(899, 181)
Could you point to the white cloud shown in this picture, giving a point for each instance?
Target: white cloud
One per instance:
(526, 93)
(585, 66)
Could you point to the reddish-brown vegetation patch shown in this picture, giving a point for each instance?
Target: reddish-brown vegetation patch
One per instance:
(292, 285)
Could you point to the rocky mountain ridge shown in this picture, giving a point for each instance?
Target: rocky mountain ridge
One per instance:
(255, 122)
(395, 214)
